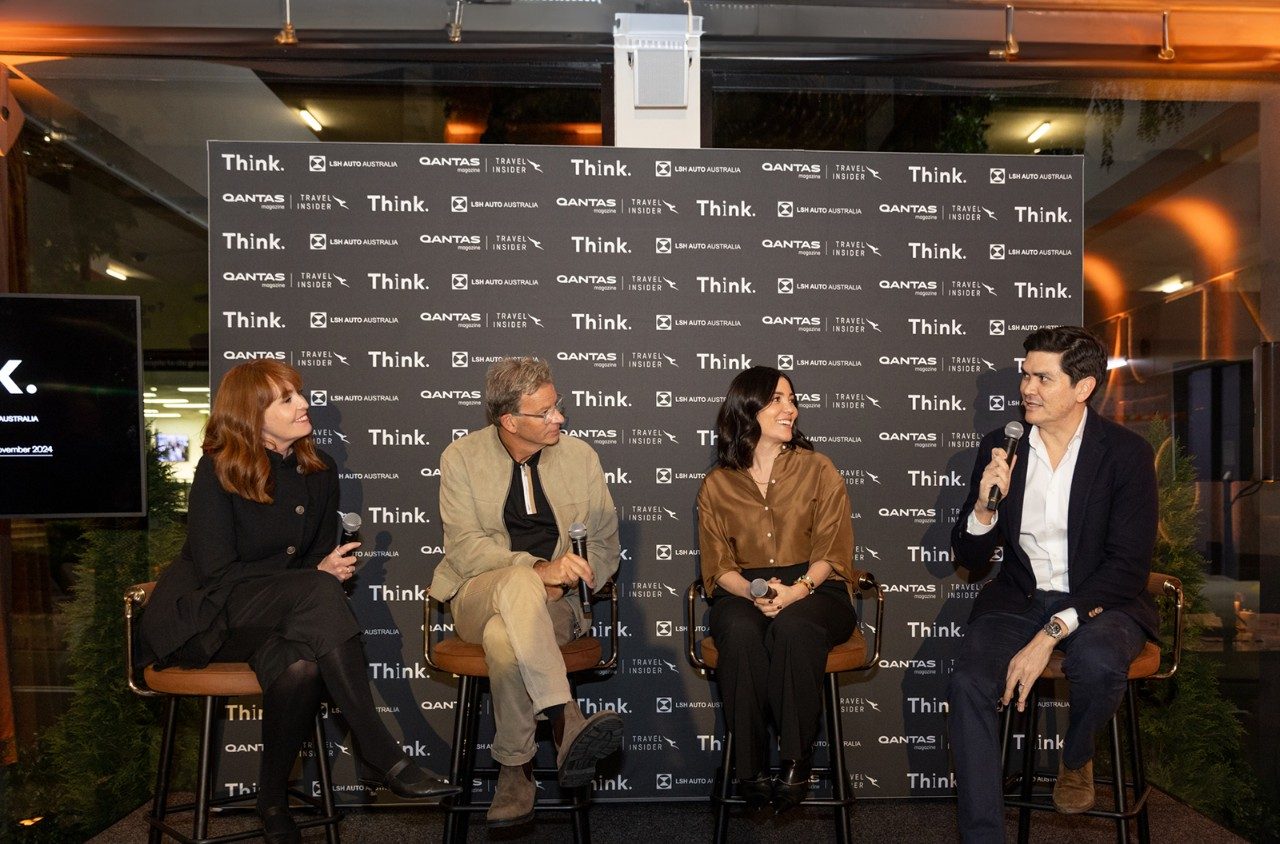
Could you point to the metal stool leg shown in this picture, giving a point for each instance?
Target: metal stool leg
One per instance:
(724, 788)
(1006, 742)
(835, 748)
(326, 783)
(581, 818)
(204, 784)
(1028, 764)
(1117, 774)
(1137, 765)
(461, 762)
(164, 769)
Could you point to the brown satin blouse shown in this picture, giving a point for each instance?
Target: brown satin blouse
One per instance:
(805, 517)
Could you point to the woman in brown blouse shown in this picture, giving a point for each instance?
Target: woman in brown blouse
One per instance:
(773, 509)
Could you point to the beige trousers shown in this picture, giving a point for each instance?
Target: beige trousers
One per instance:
(507, 612)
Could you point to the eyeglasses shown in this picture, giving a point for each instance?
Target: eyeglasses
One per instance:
(556, 409)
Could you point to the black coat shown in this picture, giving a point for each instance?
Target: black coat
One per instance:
(1111, 528)
(231, 539)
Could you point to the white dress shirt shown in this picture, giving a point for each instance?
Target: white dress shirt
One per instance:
(1043, 535)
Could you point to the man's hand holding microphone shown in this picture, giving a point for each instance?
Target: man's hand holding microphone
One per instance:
(570, 569)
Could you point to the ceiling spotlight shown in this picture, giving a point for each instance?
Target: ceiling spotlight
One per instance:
(116, 273)
(1116, 363)
(310, 119)
(1039, 132)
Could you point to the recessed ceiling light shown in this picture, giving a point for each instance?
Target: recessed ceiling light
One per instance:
(1039, 132)
(310, 119)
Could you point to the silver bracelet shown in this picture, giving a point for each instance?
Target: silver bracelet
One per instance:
(807, 581)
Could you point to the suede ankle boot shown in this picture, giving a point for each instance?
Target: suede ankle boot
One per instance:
(513, 798)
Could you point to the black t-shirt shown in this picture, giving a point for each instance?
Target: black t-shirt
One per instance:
(536, 532)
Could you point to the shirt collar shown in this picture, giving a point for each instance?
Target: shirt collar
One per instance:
(277, 459)
(1037, 443)
(532, 461)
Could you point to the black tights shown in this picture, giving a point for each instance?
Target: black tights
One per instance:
(288, 714)
(288, 710)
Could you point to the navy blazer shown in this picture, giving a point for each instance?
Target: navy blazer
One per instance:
(1111, 528)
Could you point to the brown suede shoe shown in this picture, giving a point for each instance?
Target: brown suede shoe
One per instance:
(580, 743)
(513, 799)
(1073, 792)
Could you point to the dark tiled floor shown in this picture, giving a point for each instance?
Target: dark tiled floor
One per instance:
(903, 821)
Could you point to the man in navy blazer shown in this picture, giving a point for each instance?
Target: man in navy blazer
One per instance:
(1076, 522)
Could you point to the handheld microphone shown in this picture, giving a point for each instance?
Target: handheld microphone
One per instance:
(578, 537)
(350, 527)
(1012, 433)
(760, 588)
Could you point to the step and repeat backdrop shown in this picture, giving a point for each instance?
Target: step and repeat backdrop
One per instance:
(893, 289)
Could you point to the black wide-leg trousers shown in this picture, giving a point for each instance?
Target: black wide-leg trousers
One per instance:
(771, 670)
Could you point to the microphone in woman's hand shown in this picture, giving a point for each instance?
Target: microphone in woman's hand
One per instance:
(760, 588)
(350, 527)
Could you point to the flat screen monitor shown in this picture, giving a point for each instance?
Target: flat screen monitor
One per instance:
(72, 441)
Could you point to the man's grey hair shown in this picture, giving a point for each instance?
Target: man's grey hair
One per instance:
(508, 380)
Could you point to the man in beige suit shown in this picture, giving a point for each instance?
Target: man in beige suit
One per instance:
(508, 495)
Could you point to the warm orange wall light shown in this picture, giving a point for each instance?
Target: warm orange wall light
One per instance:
(1101, 276)
(1208, 226)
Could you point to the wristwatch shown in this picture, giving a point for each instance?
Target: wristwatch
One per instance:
(807, 581)
(1054, 629)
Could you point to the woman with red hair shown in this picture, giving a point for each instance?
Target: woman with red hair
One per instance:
(259, 580)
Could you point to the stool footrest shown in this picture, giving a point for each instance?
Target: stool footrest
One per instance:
(808, 801)
(1047, 806)
(220, 839)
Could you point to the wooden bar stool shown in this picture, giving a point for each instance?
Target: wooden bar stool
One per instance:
(466, 661)
(213, 684)
(847, 656)
(1146, 666)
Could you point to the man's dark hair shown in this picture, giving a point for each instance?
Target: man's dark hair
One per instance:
(1082, 353)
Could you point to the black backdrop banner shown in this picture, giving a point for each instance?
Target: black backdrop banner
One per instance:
(894, 289)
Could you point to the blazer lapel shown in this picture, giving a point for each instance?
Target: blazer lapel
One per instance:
(1093, 447)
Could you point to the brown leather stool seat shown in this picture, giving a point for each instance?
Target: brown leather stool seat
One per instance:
(467, 660)
(221, 679)
(846, 656)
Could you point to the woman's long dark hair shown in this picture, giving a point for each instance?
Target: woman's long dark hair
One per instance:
(736, 427)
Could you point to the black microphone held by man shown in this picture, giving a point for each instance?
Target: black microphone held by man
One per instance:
(1012, 434)
(578, 538)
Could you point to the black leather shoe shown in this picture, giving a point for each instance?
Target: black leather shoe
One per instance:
(791, 784)
(278, 827)
(757, 790)
(407, 780)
